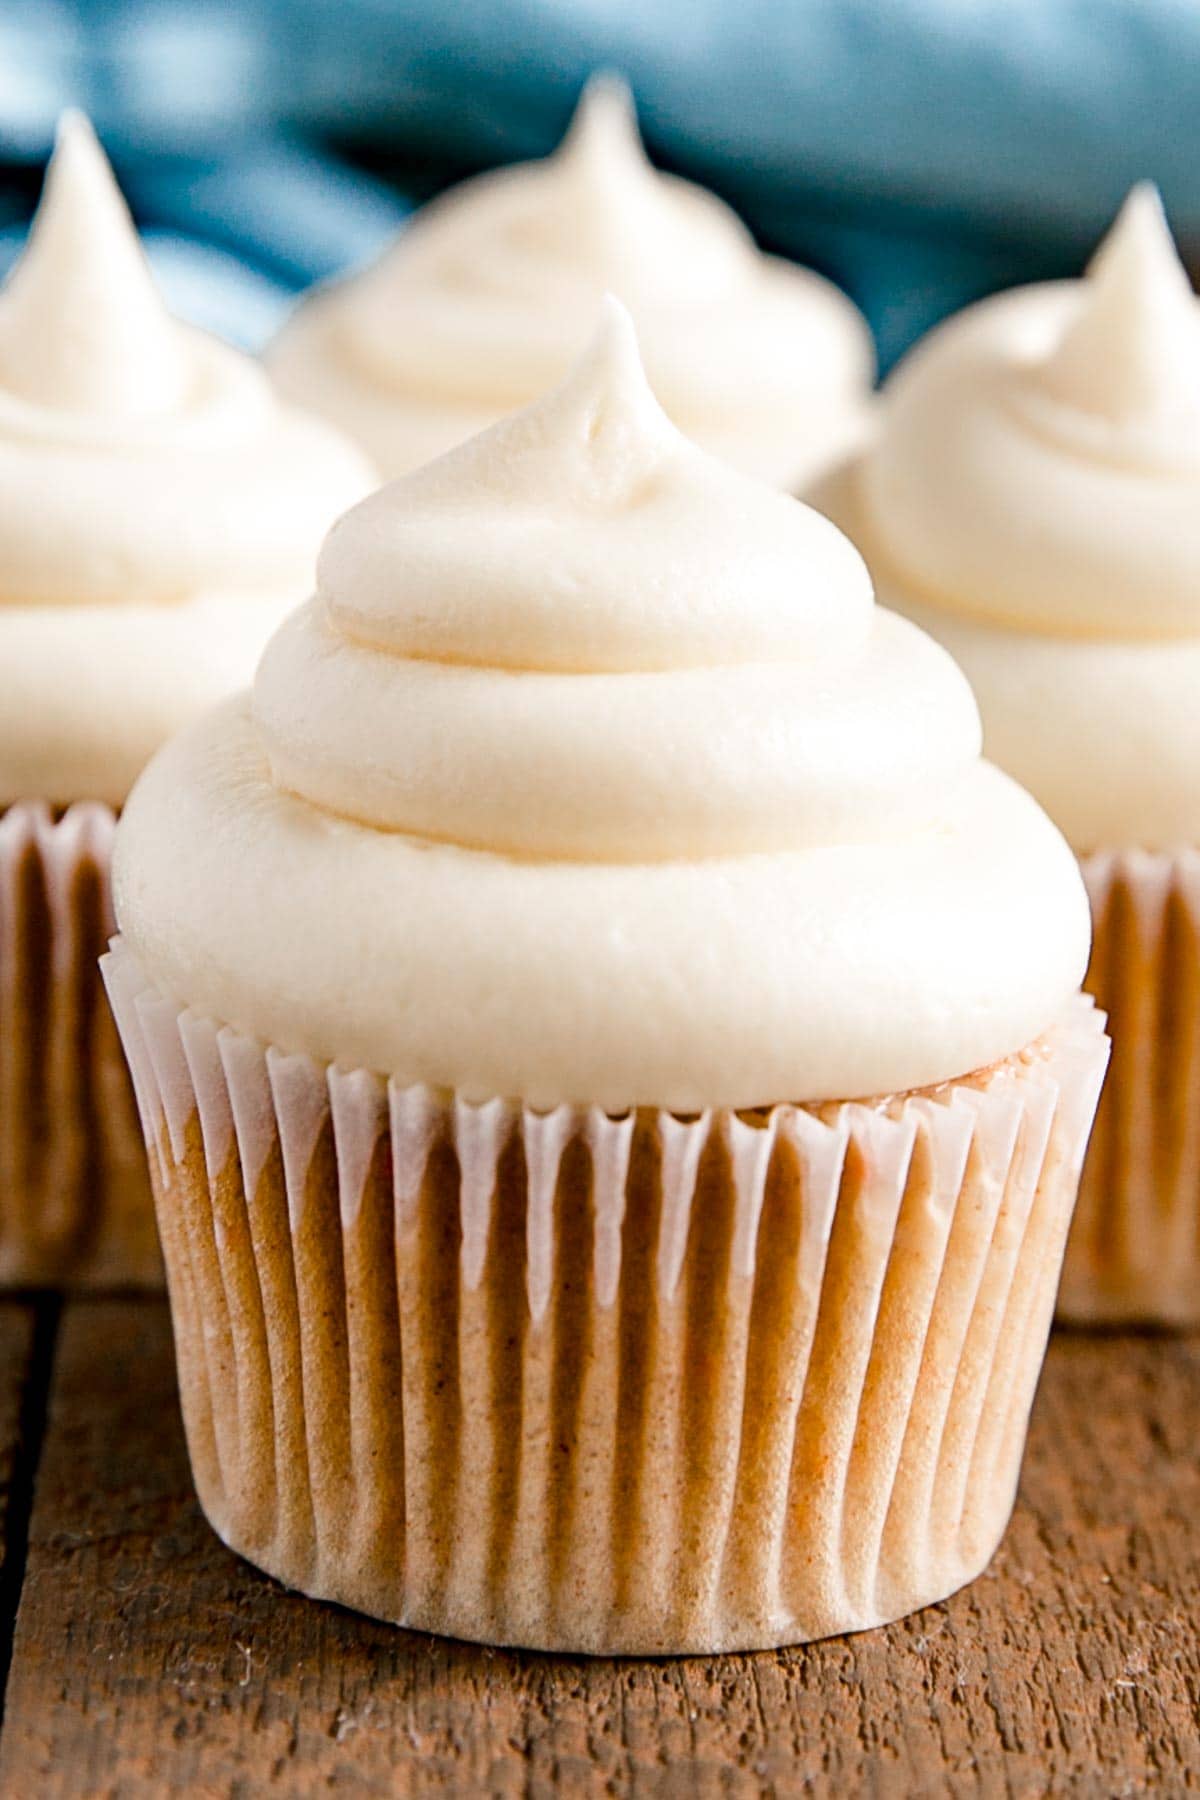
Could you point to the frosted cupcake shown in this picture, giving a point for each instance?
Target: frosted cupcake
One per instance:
(159, 511)
(612, 1061)
(479, 308)
(1033, 500)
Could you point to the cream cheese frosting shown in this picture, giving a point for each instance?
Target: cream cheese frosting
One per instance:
(486, 298)
(1032, 497)
(159, 508)
(592, 773)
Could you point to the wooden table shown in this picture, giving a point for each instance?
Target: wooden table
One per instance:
(142, 1658)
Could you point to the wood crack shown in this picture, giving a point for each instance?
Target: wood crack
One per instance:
(30, 1417)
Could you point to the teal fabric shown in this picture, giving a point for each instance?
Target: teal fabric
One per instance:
(921, 151)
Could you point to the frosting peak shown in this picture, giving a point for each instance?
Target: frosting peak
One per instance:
(1132, 351)
(159, 509)
(82, 326)
(586, 533)
(601, 434)
(1033, 498)
(603, 135)
(1038, 461)
(141, 461)
(647, 236)
(578, 636)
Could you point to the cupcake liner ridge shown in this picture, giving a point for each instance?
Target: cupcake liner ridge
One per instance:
(75, 1205)
(1133, 1257)
(635, 1384)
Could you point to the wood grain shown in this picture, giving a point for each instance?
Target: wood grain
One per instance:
(24, 1371)
(148, 1660)
(18, 1433)
(17, 1327)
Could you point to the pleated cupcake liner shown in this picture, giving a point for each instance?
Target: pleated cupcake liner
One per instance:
(636, 1384)
(1134, 1252)
(75, 1204)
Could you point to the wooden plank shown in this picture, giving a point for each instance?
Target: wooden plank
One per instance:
(149, 1660)
(25, 1351)
(17, 1328)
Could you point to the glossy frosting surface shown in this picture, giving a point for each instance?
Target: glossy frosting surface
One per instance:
(592, 772)
(159, 508)
(486, 299)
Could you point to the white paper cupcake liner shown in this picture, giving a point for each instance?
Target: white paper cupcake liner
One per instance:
(1134, 1252)
(75, 1205)
(639, 1384)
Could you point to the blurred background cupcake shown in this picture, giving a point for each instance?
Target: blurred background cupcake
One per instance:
(159, 509)
(484, 301)
(1032, 498)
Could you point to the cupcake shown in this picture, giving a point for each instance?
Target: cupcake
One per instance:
(1032, 499)
(612, 1062)
(477, 309)
(159, 512)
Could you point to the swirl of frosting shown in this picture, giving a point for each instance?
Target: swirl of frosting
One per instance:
(665, 660)
(1033, 500)
(592, 773)
(1038, 463)
(159, 508)
(476, 309)
(139, 459)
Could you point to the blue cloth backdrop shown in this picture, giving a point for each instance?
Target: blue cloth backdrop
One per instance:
(921, 151)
